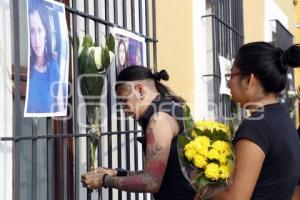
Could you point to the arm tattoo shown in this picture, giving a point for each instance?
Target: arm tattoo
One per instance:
(133, 173)
(151, 178)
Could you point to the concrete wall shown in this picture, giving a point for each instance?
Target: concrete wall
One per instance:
(253, 20)
(182, 50)
(175, 46)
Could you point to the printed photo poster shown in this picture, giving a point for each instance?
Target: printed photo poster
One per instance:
(225, 67)
(48, 54)
(130, 49)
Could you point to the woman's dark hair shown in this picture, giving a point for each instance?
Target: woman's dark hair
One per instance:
(40, 8)
(268, 63)
(122, 42)
(137, 73)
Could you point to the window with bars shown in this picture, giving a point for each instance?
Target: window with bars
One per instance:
(224, 25)
(283, 39)
(50, 154)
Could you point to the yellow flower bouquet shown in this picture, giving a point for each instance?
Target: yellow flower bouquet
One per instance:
(206, 155)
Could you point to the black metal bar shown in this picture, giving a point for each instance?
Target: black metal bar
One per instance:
(34, 161)
(116, 20)
(135, 153)
(223, 22)
(109, 114)
(57, 136)
(48, 168)
(96, 13)
(86, 20)
(104, 22)
(147, 32)
(63, 161)
(125, 14)
(16, 102)
(133, 15)
(118, 107)
(75, 96)
(88, 147)
(141, 16)
(127, 142)
(119, 141)
(154, 35)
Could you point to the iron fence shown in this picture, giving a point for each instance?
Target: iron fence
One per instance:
(46, 152)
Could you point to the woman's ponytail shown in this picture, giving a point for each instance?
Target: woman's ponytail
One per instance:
(292, 56)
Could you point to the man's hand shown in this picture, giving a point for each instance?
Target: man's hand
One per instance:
(92, 180)
(103, 170)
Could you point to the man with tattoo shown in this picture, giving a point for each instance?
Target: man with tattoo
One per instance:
(160, 114)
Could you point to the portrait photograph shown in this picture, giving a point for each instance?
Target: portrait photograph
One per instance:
(130, 49)
(48, 54)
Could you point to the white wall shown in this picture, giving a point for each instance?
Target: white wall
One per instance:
(5, 102)
(200, 59)
(273, 12)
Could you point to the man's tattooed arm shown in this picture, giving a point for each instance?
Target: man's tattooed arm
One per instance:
(159, 135)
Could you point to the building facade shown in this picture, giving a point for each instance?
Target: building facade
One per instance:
(43, 158)
(191, 38)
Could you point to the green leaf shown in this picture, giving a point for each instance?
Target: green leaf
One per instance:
(77, 42)
(105, 60)
(182, 140)
(87, 41)
(110, 43)
(203, 181)
(188, 121)
(83, 60)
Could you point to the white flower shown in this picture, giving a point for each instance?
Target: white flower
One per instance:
(111, 56)
(291, 93)
(80, 50)
(97, 57)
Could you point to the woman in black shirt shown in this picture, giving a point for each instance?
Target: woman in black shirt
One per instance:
(266, 143)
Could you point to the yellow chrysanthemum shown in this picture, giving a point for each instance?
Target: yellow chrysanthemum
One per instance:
(211, 125)
(190, 154)
(194, 134)
(200, 161)
(223, 147)
(201, 149)
(225, 171)
(223, 159)
(213, 154)
(212, 171)
(190, 145)
(203, 140)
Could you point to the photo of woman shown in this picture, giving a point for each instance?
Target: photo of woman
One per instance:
(47, 72)
(130, 49)
(122, 58)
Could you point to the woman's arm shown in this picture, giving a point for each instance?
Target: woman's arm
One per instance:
(249, 160)
(160, 132)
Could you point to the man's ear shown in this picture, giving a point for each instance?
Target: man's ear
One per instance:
(139, 87)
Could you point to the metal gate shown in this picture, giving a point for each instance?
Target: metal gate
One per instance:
(48, 152)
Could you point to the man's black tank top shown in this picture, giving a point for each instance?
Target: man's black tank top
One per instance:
(174, 185)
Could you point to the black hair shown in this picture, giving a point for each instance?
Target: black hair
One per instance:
(136, 72)
(41, 9)
(268, 63)
(121, 67)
